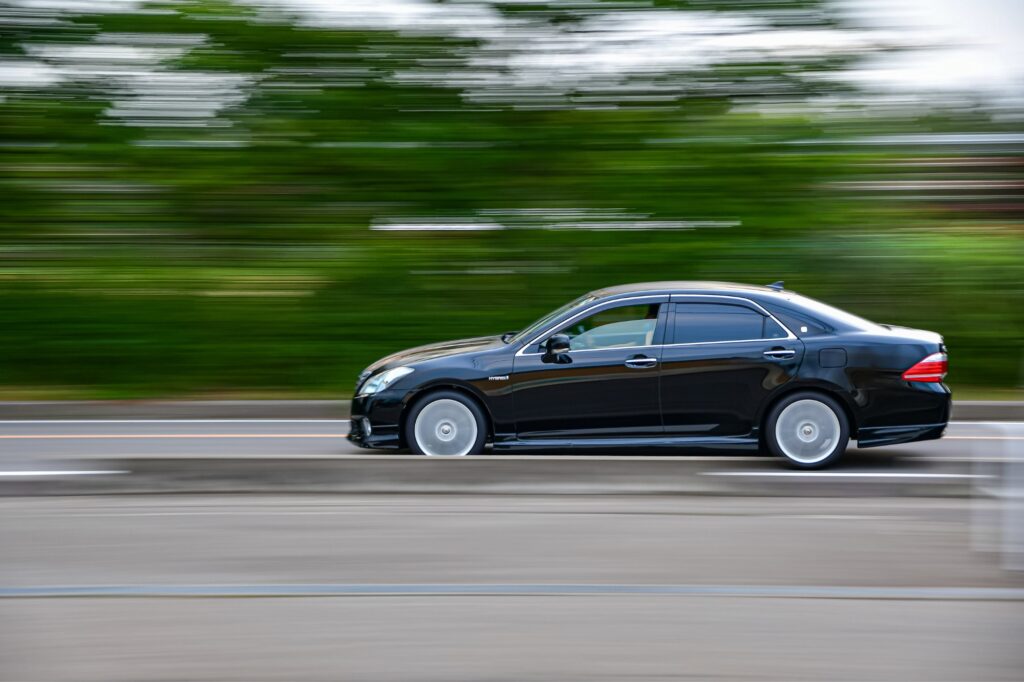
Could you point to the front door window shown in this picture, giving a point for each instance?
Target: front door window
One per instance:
(623, 327)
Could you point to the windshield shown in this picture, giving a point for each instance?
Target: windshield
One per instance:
(551, 317)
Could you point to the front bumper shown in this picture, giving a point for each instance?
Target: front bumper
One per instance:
(382, 412)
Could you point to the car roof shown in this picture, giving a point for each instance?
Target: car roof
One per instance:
(680, 287)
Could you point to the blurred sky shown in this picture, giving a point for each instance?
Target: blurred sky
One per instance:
(972, 45)
(984, 49)
(979, 44)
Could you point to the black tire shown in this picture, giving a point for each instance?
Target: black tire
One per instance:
(808, 438)
(448, 416)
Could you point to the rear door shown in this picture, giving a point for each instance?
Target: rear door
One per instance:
(723, 358)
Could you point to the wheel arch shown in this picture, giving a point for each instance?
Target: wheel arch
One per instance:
(834, 392)
(421, 393)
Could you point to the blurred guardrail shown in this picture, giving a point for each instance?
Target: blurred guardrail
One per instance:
(969, 410)
(998, 489)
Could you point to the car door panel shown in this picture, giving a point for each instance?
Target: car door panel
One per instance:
(716, 388)
(599, 392)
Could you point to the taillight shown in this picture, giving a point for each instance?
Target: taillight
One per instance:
(932, 369)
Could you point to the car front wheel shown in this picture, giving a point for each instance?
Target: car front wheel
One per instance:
(446, 424)
(808, 430)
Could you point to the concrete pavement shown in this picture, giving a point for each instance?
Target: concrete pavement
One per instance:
(767, 589)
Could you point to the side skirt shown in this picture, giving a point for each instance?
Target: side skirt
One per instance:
(689, 442)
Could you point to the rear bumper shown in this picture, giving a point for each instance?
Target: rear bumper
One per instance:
(906, 414)
(893, 435)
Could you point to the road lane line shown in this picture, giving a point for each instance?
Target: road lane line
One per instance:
(517, 589)
(97, 436)
(839, 474)
(84, 436)
(214, 434)
(259, 420)
(63, 472)
(173, 421)
(394, 455)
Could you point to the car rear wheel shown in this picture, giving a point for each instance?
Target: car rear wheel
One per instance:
(808, 430)
(446, 424)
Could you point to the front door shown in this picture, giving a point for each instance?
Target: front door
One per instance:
(605, 386)
(722, 360)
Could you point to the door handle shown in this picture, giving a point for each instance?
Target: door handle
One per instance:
(780, 353)
(641, 362)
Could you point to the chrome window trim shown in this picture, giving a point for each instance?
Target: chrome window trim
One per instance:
(715, 343)
(671, 299)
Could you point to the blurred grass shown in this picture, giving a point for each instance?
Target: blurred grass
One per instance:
(160, 257)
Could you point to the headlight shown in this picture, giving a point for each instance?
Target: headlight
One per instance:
(381, 381)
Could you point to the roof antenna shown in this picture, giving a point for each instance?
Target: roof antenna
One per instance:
(778, 286)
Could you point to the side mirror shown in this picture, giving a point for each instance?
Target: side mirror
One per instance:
(555, 349)
(559, 343)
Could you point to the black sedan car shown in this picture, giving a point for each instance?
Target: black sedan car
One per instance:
(667, 364)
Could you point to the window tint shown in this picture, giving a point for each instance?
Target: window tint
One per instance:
(773, 330)
(622, 327)
(704, 322)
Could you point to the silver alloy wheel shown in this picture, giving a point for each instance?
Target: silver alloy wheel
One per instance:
(807, 431)
(445, 427)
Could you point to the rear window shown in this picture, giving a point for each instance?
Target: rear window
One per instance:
(821, 314)
(710, 322)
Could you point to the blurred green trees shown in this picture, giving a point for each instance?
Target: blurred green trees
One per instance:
(210, 198)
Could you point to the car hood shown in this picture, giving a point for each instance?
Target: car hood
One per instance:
(433, 351)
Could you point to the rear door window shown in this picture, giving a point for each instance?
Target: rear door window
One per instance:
(712, 322)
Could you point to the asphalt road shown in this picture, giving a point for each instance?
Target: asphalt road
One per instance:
(312, 456)
(27, 440)
(454, 588)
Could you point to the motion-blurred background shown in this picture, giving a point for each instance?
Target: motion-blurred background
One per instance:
(256, 199)
(259, 198)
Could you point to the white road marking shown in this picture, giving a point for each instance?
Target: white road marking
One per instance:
(839, 474)
(172, 421)
(101, 436)
(832, 517)
(348, 511)
(64, 472)
(260, 420)
(510, 589)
